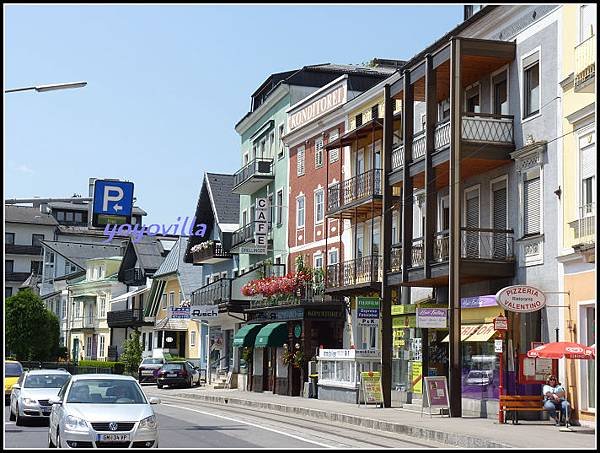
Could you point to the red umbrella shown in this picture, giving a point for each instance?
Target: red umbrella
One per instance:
(560, 349)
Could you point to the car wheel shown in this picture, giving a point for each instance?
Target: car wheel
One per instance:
(58, 445)
(19, 419)
(159, 386)
(11, 416)
(50, 443)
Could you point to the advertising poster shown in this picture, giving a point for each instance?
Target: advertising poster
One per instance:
(436, 392)
(417, 376)
(371, 382)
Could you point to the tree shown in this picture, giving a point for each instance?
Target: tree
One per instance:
(32, 332)
(132, 352)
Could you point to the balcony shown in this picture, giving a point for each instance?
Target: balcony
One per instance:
(244, 235)
(358, 275)
(585, 63)
(584, 227)
(24, 249)
(253, 176)
(212, 253)
(126, 318)
(215, 293)
(310, 294)
(84, 323)
(16, 276)
(354, 192)
(134, 277)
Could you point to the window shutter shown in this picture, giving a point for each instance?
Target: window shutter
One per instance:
(588, 158)
(530, 60)
(499, 221)
(319, 153)
(300, 161)
(532, 206)
(333, 153)
(473, 212)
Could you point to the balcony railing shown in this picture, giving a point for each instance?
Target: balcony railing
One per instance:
(584, 228)
(396, 258)
(365, 270)
(418, 147)
(354, 189)
(398, 157)
(24, 249)
(84, 323)
(308, 293)
(585, 60)
(245, 233)
(259, 167)
(213, 253)
(134, 277)
(125, 318)
(16, 276)
(217, 292)
(487, 127)
(487, 244)
(441, 252)
(417, 256)
(442, 135)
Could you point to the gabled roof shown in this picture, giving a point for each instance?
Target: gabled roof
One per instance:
(80, 252)
(190, 276)
(27, 214)
(225, 204)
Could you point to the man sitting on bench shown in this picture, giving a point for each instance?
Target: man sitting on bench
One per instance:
(554, 399)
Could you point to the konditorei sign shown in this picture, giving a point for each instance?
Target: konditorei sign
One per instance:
(521, 298)
(329, 100)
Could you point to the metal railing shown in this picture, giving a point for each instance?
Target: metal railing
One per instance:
(487, 127)
(259, 166)
(215, 250)
(441, 250)
(353, 189)
(367, 269)
(214, 293)
(487, 244)
(417, 256)
(585, 60)
(124, 317)
(441, 135)
(398, 157)
(418, 146)
(24, 249)
(396, 258)
(84, 323)
(585, 226)
(245, 233)
(308, 293)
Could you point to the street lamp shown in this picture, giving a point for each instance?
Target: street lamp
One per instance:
(55, 86)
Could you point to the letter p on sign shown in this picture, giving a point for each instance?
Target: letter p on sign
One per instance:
(111, 193)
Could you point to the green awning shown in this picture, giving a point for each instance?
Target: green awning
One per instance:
(274, 334)
(245, 337)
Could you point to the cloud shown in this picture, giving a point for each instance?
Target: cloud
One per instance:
(25, 169)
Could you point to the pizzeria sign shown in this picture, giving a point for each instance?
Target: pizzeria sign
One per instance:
(521, 298)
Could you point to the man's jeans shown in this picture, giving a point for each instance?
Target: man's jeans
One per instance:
(551, 407)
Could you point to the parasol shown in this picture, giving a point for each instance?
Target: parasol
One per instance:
(566, 350)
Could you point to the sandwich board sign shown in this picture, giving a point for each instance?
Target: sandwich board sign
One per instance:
(370, 382)
(435, 394)
(112, 202)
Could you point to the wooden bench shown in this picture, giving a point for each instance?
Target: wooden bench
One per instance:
(518, 403)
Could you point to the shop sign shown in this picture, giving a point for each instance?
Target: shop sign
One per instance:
(310, 313)
(280, 315)
(367, 322)
(261, 217)
(521, 298)
(497, 345)
(500, 323)
(321, 105)
(179, 312)
(432, 318)
(337, 353)
(204, 312)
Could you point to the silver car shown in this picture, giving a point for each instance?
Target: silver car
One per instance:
(102, 410)
(30, 395)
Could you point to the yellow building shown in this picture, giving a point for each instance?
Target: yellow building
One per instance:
(578, 197)
(89, 301)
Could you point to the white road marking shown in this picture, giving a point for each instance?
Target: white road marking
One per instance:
(250, 424)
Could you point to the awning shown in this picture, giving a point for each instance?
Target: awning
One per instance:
(171, 324)
(246, 336)
(129, 294)
(474, 332)
(274, 334)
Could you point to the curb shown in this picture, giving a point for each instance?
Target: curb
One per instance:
(453, 439)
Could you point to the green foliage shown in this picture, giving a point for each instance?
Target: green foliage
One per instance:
(32, 332)
(97, 363)
(132, 352)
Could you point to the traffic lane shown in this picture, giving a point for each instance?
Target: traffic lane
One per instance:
(33, 435)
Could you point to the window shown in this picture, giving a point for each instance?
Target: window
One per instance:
(531, 203)
(271, 143)
(318, 261)
(319, 206)
(9, 266)
(587, 16)
(300, 161)
(36, 238)
(9, 238)
(334, 154)
(300, 212)
(375, 111)
(423, 121)
(64, 309)
(281, 150)
(36, 267)
(102, 307)
(88, 347)
(500, 94)
(101, 271)
(164, 301)
(7, 291)
(172, 299)
(246, 159)
(444, 110)
(318, 153)
(472, 99)
(193, 338)
(531, 85)
(587, 165)
(279, 207)
(359, 120)
(244, 217)
(60, 216)
(101, 348)
(333, 256)
(271, 214)
(78, 217)
(69, 216)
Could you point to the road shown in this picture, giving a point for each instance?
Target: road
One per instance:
(192, 424)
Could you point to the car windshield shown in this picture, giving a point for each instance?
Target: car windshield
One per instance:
(152, 361)
(478, 374)
(105, 391)
(173, 366)
(41, 381)
(12, 369)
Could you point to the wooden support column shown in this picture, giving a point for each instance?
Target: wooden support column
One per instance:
(455, 352)
(430, 190)
(407, 184)
(386, 245)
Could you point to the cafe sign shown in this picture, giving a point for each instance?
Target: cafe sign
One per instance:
(521, 298)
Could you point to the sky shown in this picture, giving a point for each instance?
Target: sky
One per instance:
(167, 84)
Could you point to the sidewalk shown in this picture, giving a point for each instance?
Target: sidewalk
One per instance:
(455, 432)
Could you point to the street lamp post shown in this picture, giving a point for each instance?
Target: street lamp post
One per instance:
(55, 86)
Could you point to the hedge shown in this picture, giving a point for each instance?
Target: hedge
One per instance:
(101, 364)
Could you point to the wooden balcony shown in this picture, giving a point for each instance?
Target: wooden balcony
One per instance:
(354, 195)
(355, 276)
(126, 318)
(211, 254)
(134, 277)
(16, 249)
(253, 176)
(16, 276)
(485, 254)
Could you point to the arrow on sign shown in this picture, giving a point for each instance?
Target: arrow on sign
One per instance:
(117, 207)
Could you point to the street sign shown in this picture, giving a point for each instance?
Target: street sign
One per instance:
(112, 203)
(500, 323)
(497, 345)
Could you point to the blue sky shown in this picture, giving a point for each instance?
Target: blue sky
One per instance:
(167, 84)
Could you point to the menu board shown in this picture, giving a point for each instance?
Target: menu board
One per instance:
(371, 385)
(536, 370)
(436, 393)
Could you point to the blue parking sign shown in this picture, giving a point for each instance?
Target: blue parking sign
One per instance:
(113, 198)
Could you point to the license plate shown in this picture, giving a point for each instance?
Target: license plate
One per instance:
(171, 374)
(147, 372)
(112, 437)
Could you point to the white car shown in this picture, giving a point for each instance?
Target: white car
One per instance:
(30, 395)
(102, 410)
